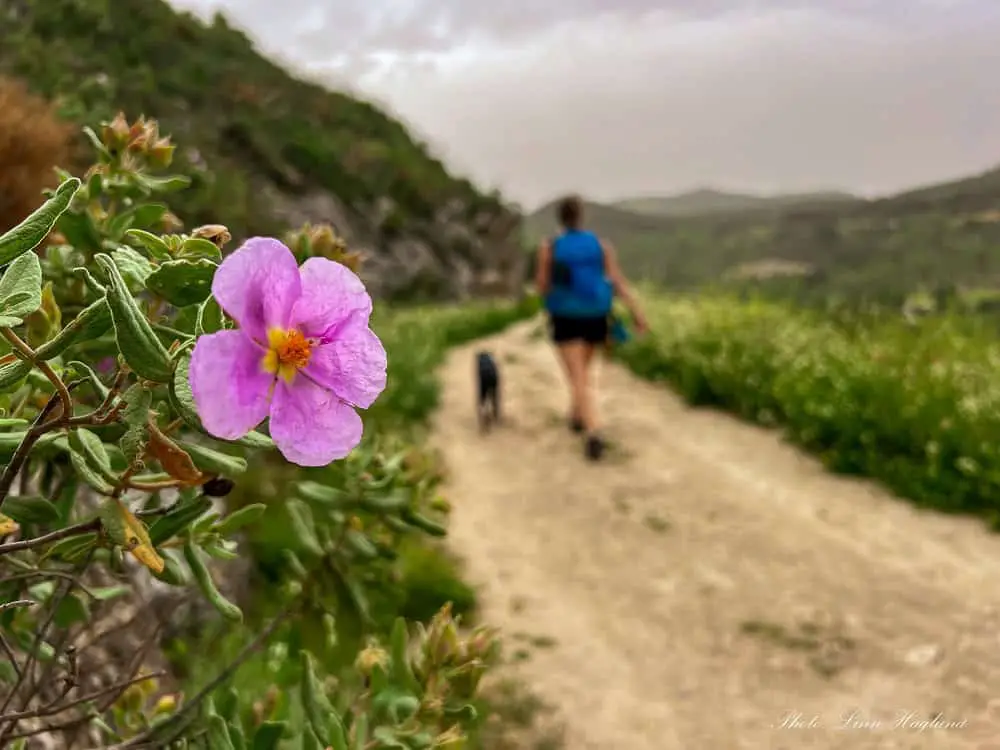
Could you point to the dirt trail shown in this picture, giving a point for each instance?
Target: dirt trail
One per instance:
(708, 587)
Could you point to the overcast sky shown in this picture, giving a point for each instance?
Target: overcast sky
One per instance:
(619, 98)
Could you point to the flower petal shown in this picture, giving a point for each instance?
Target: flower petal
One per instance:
(352, 365)
(258, 285)
(310, 425)
(230, 389)
(331, 293)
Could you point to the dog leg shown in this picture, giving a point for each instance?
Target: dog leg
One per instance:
(495, 402)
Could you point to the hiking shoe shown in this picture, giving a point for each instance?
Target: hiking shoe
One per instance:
(576, 424)
(594, 448)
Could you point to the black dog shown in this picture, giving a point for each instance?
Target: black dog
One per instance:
(488, 398)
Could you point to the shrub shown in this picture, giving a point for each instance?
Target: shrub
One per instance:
(111, 477)
(33, 141)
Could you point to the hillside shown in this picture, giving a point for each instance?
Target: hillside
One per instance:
(265, 150)
(708, 201)
(941, 236)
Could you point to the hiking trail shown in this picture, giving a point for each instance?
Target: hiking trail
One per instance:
(708, 587)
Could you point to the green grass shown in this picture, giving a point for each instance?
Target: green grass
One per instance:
(914, 406)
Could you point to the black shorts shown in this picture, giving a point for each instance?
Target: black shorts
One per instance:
(591, 330)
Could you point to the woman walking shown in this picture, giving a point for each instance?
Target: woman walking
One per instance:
(578, 275)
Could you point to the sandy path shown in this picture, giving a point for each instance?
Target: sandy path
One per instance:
(708, 587)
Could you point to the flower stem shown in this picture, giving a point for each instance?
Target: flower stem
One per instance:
(27, 353)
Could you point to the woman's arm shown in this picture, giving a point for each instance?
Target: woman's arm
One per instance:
(543, 268)
(621, 285)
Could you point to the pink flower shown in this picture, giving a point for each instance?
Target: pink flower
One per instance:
(303, 355)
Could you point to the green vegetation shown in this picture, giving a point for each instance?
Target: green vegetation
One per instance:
(941, 240)
(349, 627)
(415, 584)
(707, 201)
(256, 139)
(913, 405)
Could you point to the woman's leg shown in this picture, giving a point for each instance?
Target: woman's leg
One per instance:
(574, 355)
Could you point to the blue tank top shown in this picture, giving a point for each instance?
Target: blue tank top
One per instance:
(580, 287)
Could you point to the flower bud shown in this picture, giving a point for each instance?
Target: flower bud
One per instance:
(217, 234)
(369, 658)
(166, 704)
(161, 153)
(115, 134)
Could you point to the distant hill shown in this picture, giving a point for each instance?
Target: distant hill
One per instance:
(264, 148)
(883, 249)
(708, 201)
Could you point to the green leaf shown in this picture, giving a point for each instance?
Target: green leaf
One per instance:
(30, 509)
(71, 549)
(29, 234)
(322, 716)
(213, 461)
(183, 282)
(95, 186)
(134, 266)
(92, 323)
(268, 735)
(390, 502)
(95, 382)
(401, 671)
(303, 527)
(109, 592)
(236, 734)
(204, 580)
(138, 401)
(89, 445)
(12, 375)
(310, 741)
(20, 290)
(322, 494)
(88, 474)
(139, 345)
(239, 519)
(198, 247)
(218, 734)
(210, 319)
(360, 730)
(143, 215)
(156, 247)
(70, 611)
(95, 143)
(95, 286)
(423, 523)
(173, 572)
(79, 231)
(361, 544)
(161, 184)
(179, 518)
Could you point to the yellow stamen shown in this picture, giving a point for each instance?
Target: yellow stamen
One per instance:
(288, 352)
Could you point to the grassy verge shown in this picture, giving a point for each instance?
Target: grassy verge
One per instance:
(912, 405)
(424, 577)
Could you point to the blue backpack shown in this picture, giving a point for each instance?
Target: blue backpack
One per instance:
(580, 287)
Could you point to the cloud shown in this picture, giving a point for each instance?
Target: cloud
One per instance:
(646, 96)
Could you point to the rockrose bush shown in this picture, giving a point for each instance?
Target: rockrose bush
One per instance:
(142, 370)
